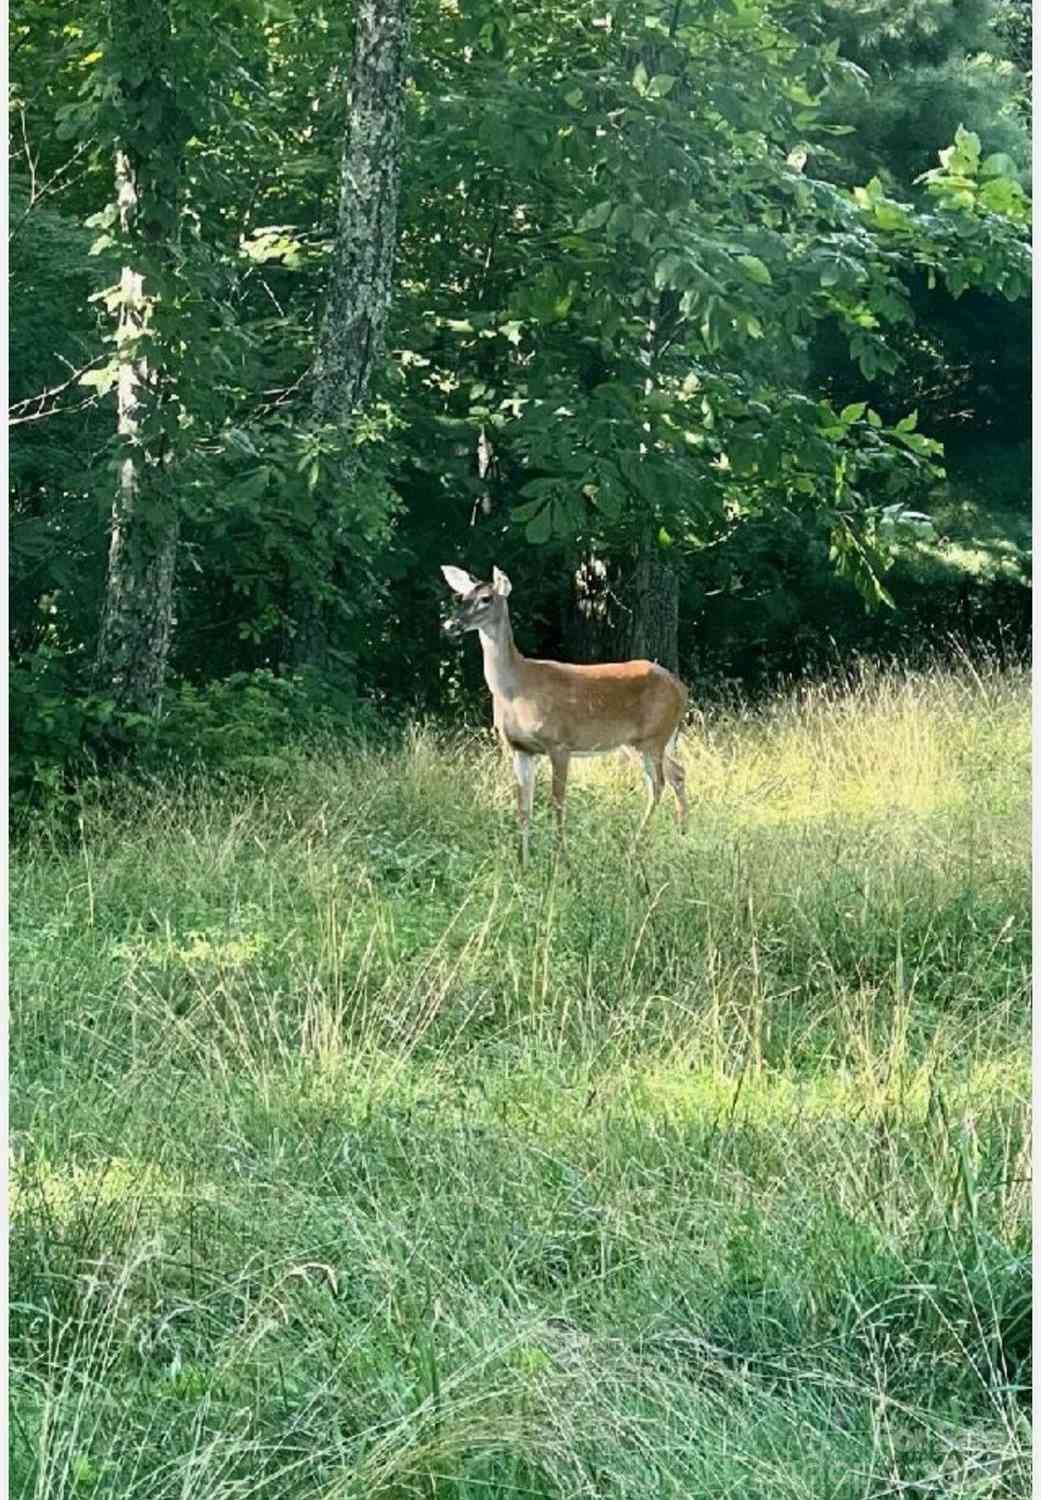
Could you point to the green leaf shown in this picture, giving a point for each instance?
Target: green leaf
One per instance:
(962, 159)
(540, 528)
(574, 97)
(105, 218)
(998, 165)
(868, 196)
(1004, 196)
(967, 144)
(102, 379)
(236, 438)
(250, 487)
(665, 270)
(660, 85)
(853, 412)
(889, 216)
(755, 270)
(595, 218)
(609, 500)
(640, 79)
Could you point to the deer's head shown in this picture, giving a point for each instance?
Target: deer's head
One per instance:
(483, 605)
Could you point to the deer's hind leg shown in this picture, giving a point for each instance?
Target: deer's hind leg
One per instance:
(654, 773)
(560, 760)
(676, 777)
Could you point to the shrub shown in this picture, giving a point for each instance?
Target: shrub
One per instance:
(63, 735)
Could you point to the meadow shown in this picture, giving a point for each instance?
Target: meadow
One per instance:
(349, 1160)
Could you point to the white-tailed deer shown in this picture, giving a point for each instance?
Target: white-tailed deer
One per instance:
(556, 709)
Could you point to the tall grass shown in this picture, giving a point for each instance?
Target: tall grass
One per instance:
(349, 1160)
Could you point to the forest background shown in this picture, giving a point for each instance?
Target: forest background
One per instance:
(707, 323)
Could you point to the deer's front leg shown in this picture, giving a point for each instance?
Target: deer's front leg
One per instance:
(560, 761)
(524, 770)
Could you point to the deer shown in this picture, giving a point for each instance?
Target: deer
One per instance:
(560, 709)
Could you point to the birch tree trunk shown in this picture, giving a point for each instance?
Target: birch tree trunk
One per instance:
(351, 341)
(137, 616)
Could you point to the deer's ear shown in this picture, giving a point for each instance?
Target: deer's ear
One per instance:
(500, 582)
(456, 579)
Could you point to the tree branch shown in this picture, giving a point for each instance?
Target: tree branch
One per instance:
(42, 397)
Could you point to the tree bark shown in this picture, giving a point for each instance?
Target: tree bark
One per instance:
(651, 625)
(352, 337)
(591, 629)
(627, 611)
(137, 616)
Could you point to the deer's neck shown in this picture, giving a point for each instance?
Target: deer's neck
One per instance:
(502, 660)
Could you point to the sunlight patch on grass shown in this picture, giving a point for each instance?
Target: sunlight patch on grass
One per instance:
(65, 1189)
(537, 1102)
(893, 765)
(781, 1099)
(884, 759)
(195, 949)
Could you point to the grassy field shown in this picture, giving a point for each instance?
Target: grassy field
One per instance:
(349, 1161)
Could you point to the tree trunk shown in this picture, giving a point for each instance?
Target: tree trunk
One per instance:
(621, 612)
(651, 625)
(351, 341)
(592, 628)
(137, 617)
